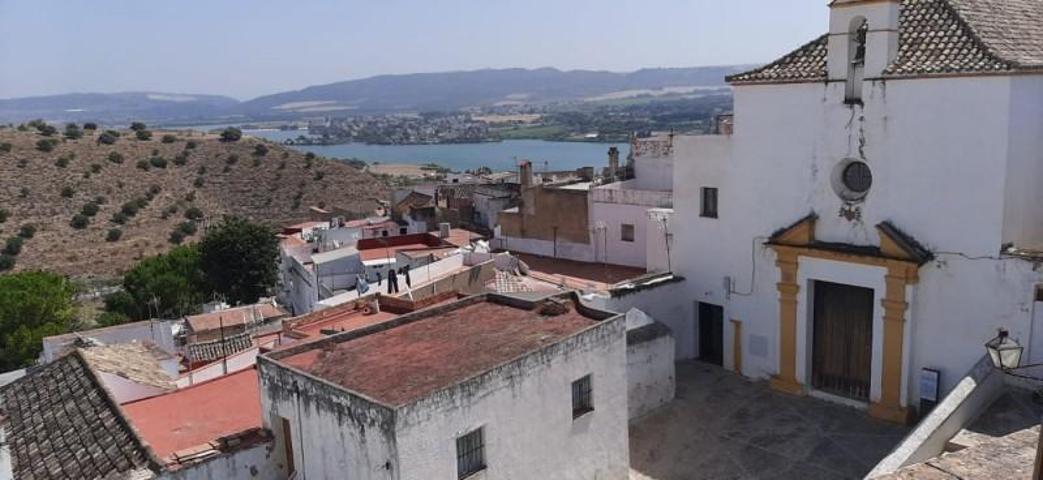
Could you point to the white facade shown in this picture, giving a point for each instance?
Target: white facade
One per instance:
(956, 163)
(159, 332)
(524, 408)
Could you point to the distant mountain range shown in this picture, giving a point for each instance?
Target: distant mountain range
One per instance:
(381, 94)
(116, 107)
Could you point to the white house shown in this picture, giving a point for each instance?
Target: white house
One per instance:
(877, 210)
(503, 388)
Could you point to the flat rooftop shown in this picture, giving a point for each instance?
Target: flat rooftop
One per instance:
(440, 347)
(198, 415)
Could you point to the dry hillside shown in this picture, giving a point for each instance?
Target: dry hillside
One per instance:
(47, 189)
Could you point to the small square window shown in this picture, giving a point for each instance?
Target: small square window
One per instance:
(582, 397)
(402, 231)
(626, 232)
(709, 206)
(470, 454)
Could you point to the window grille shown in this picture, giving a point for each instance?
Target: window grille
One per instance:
(582, 397)
(470, 454)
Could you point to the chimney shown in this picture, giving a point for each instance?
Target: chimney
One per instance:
(525, 174)
(613, 163)
(443, 230)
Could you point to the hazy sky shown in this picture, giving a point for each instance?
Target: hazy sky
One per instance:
(246, 48)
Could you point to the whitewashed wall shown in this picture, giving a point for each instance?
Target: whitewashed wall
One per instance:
(939, 150)
(650, 375)
(158, 332)
(233, 363)
(570, 251)
(254, 463)
(526, 412)
(665, 302)
(125, 390)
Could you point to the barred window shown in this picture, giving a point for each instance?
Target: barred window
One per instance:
(582, 397)
(470, 454)
(709, 206)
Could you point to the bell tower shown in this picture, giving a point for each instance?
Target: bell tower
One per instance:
(863, 41)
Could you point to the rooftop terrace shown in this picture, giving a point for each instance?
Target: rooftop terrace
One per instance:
(406, 359)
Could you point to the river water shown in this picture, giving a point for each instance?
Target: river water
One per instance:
(499, 156)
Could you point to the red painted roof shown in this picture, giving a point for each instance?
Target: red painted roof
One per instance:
(389, 252)
(406, 363)
(198, 414)
(233, 317)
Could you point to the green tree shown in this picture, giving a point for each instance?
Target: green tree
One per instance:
(167, 286)
(138, 126)
(168, 138)
(46, 144)
(33, 305)
(13, 246)
(239, 258)
(143, 135)
(231, 134)
(79, 221)
(90, 126)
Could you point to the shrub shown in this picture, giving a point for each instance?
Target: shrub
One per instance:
(190, 196)
(79, 221)
(309, 156)
(144, 165)
(108, 137)
(5, 147)
(201, 170)
(231, 134)
(114, 234)
(13, 246)
(199, 182)
(90, 126)
(168, 138)
(282, 165)
(143, 135)
(95, 168)
(73, 132)
(100, 200)
(109, 319)
(3, 215)
(24, 192)
(176, 237)
(27, 231)
(46, 130)
(6, 262)
(89, 209)
(158, 162)
(119, 218)
(232, 159)
(153, 191)
(181, 159)
(46, 144)
(23, 162)
(68, 192)
(62, 162)
(260, 150)
(115, 157)
(194, 213)
(187, 228)
(319, 175)
(257, 161)
(138, 127)
(130, 208)
(191, 145)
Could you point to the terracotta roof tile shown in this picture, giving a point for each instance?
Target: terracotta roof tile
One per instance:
(936, 37)
(62, 424)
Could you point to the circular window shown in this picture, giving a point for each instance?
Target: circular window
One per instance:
(857, 177)
(852, 180)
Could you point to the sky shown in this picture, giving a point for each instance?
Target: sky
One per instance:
(248, 48)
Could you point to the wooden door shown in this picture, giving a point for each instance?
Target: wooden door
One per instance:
(842, 349)
(711, 333)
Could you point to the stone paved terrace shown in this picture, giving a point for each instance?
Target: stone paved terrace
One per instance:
(723, 426)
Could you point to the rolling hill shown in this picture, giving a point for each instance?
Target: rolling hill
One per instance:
(456, 90)
(116, 107)
(194, 171)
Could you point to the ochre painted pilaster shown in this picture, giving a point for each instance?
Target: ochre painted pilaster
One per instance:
(889, 407)
(786, 380)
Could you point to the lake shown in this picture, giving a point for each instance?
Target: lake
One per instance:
(499, 156)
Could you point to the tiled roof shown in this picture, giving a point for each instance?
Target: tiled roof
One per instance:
(212, 350)
(135, 361)
(62, 424)
(805, 64)
(233, 317)
(936, 37)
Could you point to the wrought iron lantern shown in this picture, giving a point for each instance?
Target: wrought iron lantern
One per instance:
(1004, 351)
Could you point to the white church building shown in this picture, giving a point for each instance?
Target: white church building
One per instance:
(878, 209)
